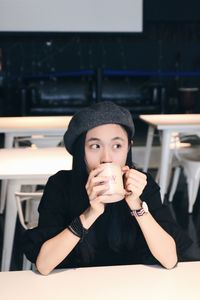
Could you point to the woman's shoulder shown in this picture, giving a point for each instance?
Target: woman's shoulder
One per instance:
(57, 188)
(151, 192)
(61, 175)
(151, 183)
(151, 186)
(61, 178)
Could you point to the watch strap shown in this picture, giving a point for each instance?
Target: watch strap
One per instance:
(137, 212)
(140, 212)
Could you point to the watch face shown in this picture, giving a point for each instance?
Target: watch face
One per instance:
(145, 207)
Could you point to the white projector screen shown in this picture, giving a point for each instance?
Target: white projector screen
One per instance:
(71, 15)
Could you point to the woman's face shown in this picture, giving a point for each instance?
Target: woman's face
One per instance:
(106, 143)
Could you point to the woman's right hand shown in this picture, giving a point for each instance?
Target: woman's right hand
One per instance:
(96, 186)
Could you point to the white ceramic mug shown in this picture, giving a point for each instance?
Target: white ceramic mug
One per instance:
(116, 187)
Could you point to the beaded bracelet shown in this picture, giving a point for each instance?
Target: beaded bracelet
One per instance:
(76, 227)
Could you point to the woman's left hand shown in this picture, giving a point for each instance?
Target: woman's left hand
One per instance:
(134, 184)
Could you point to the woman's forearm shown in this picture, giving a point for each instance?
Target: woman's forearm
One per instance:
(56, 249)
(160, 243)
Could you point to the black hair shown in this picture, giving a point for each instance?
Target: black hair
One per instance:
(118, 232)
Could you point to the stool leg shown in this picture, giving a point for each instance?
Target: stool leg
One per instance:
(193, 186)
(4, 185)
(174, 183)
(26, 263)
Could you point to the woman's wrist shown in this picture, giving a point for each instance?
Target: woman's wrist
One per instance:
(88, 217)
(134, 204)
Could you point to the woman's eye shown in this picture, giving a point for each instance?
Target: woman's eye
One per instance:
(117, 146)
(94, 146)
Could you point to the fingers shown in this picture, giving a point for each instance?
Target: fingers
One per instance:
(94, 173)
(134, 182)
(96, 184)
(97, 190)
(125, 169)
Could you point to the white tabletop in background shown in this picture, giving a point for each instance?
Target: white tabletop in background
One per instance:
(34, 124)
(105, 283)
(19, 163)
(172, 120)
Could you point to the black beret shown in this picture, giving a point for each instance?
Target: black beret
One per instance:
(100, 113)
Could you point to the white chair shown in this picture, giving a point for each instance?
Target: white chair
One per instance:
(190, 162)
(39, 141)
(27, 205)
(183, 147)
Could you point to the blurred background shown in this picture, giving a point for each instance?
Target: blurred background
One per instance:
(156, 70)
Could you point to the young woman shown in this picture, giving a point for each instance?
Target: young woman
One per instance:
(78, 226)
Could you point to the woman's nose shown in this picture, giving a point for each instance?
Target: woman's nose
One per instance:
(106, 156)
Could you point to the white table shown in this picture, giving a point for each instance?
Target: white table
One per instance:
(105, 283)
(26, 166)
(27, 126)
(167, 124)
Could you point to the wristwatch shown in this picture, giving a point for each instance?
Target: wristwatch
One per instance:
(140, 212)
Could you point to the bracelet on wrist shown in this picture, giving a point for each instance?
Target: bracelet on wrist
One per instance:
(76, 227)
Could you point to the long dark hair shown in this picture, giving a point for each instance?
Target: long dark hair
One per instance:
(118, 234)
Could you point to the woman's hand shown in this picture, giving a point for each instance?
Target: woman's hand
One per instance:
(134, 184)
(96, 186)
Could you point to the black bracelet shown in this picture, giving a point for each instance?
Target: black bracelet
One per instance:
(76, 227)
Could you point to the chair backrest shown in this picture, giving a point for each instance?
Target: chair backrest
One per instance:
(27, 205)
(190, 137)
(187, 146)
(39, 141)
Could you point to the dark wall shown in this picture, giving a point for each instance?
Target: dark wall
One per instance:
(168, 49)
(171, 10)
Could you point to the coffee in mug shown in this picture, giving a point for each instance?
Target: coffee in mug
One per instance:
(116, 187)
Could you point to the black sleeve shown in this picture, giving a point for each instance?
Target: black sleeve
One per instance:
(163, 215)
(53, 215)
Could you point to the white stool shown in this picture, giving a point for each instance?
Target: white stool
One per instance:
(28, 217)
(190, 163)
